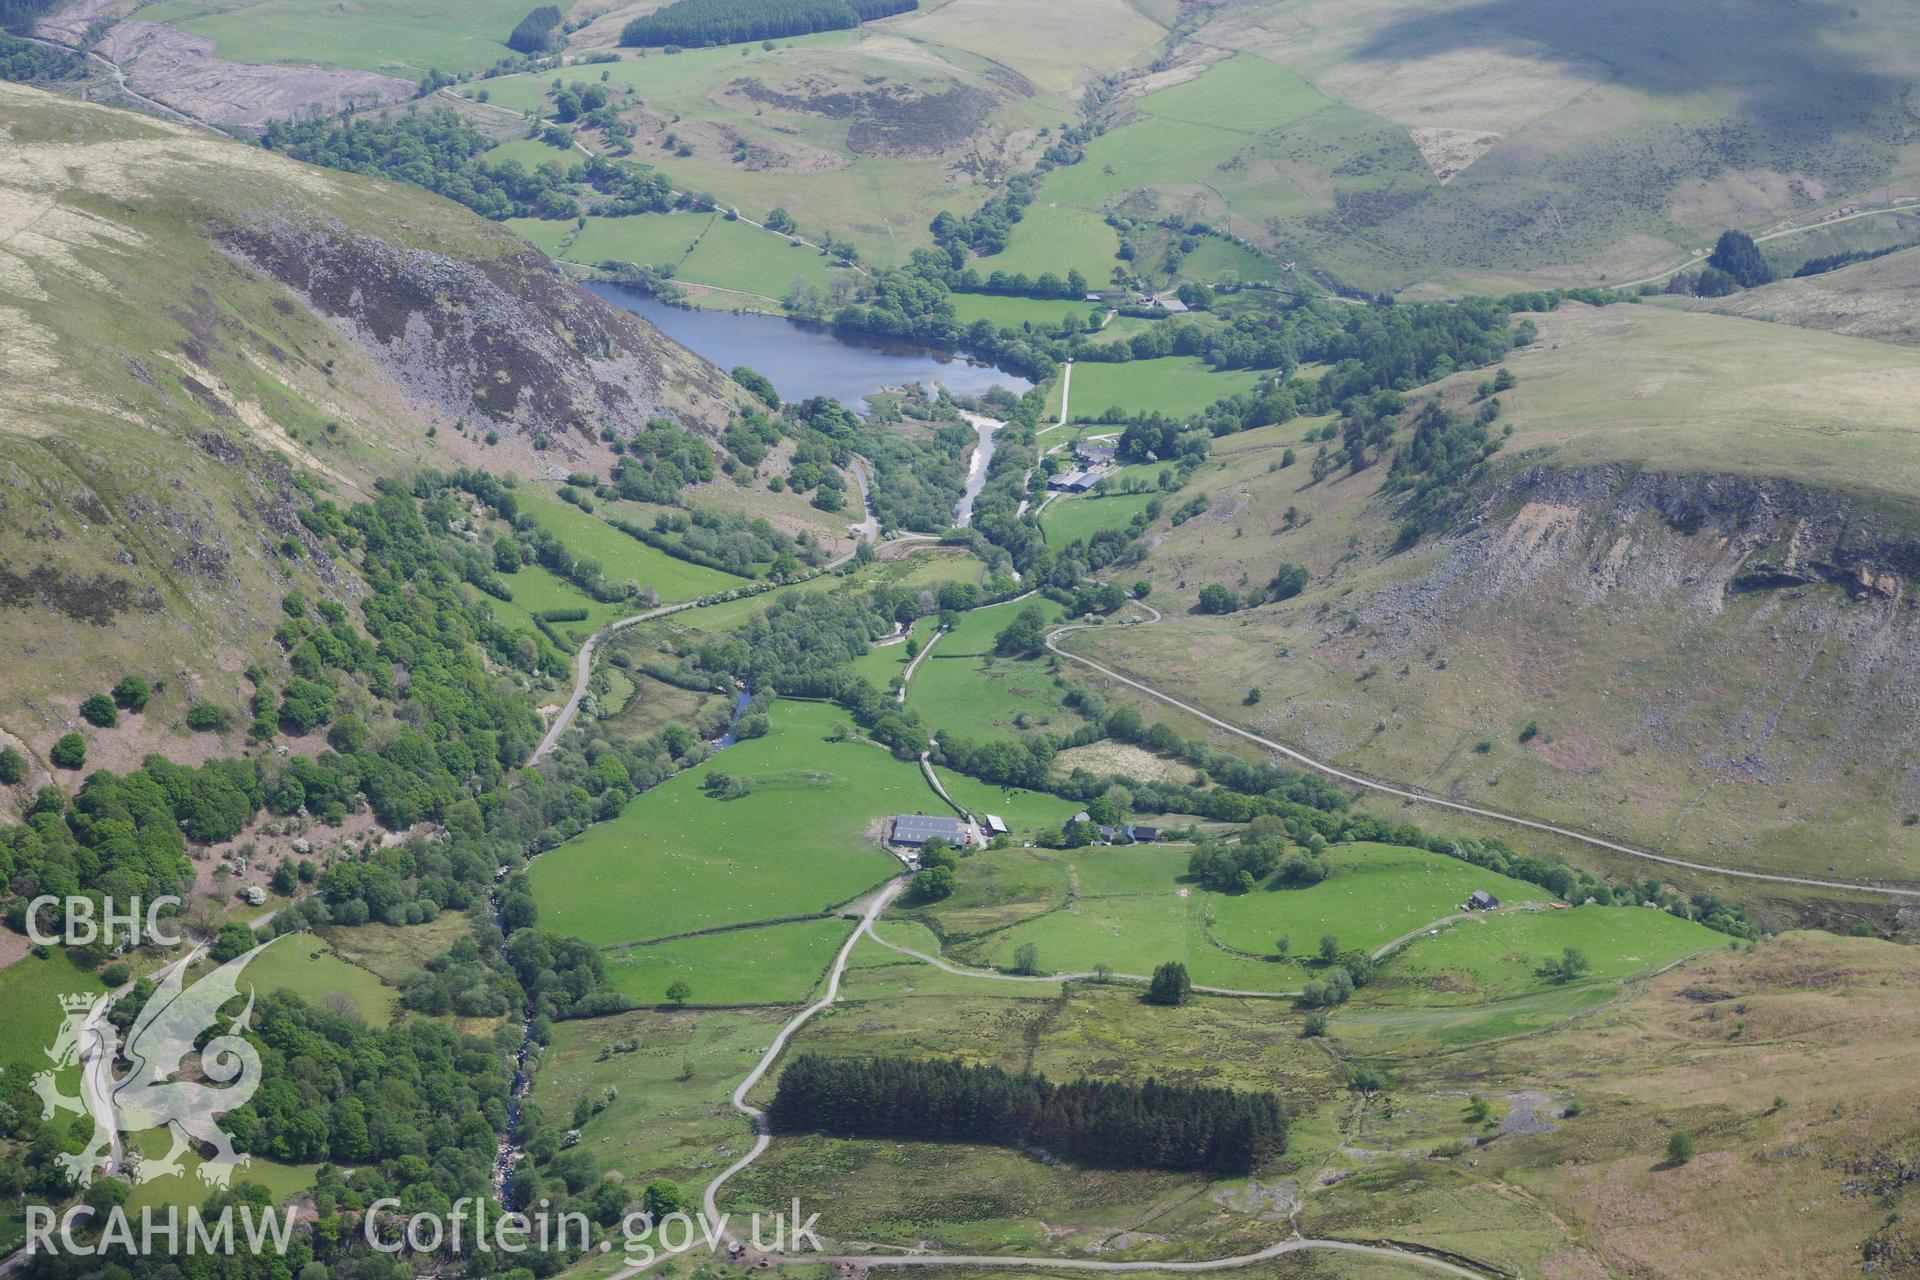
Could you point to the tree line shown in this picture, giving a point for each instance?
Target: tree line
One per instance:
(698, 23)
(1148, 1125)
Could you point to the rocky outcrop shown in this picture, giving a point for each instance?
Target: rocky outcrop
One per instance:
(1698, 537)
(507, 341)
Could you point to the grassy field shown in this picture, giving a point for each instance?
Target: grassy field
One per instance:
(620, 557)
(1174, 385)
(30, 991)
(805, 837)
(1216, 260)
(1498, 955)
(655, 239)
(777, 964)
(1007, 312)
(537, 590)
(309, 967)
(965, 689)
(1131, 907)
(1058, 239)
(395, 37)
(672, 1087)
(531, 153)
(733, 255)
(1081, 516)
(282, 1181)
(1376, 894)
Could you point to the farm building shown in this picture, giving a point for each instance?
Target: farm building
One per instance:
(1143, 835)
(1094, 455)
(1073, 481)
(996, 825)
(914, 829)
(1482, 901)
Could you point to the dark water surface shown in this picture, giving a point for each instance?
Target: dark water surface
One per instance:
(803, 361)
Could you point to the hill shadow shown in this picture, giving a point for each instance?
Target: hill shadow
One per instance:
(1781, 68)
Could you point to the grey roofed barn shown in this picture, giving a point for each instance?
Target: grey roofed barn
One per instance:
(915, 829)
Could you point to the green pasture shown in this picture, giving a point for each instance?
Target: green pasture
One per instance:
(621, 558)
(734, 255)
(1010, 313)
(650, 239)
(531, 153)
(806, 836)
(309, 968)
(1376, 893)
(537, 590)
(776, 964)
(1500, 954)
(1178, 386)
(670, 1075)
(395, 37)
(30, 991)
(1072, 517)
(986, 697)
(1057, 239)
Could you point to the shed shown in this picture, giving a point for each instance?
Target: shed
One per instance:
(1482, 901)
(996, 825)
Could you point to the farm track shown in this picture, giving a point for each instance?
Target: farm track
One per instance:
(763, 1138)
(1054, 637)
(1781, 234)
(583, 662)
(120, 80)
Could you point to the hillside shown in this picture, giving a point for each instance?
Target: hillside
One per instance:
(201, 341)
(1872, 299)
(1691, 564)
(1380, 144)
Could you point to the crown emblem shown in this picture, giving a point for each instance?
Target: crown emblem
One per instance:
(79, 1001)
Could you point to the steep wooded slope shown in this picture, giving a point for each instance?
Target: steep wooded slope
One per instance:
(199, 340)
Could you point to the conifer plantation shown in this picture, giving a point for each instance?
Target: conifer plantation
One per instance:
(1148, 1125)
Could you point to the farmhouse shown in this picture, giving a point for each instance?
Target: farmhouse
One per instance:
(1093, 455)
(1482, 901)
(914, 829)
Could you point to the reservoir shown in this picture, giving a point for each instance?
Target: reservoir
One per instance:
(803, 361)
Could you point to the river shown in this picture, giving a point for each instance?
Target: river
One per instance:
(983, 428)
(803, 360)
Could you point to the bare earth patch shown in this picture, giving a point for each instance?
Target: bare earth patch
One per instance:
(183, 71)
(1121, 757)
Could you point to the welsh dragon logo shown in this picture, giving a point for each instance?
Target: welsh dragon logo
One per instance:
(158, 1090)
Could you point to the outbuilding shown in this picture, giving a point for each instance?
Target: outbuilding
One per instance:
(911, 830)
(1482, 901)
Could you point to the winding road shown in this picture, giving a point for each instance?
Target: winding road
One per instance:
(1762, 239)
(1054, 637)
(120, 79)
(763, 1138)
(868, 530)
